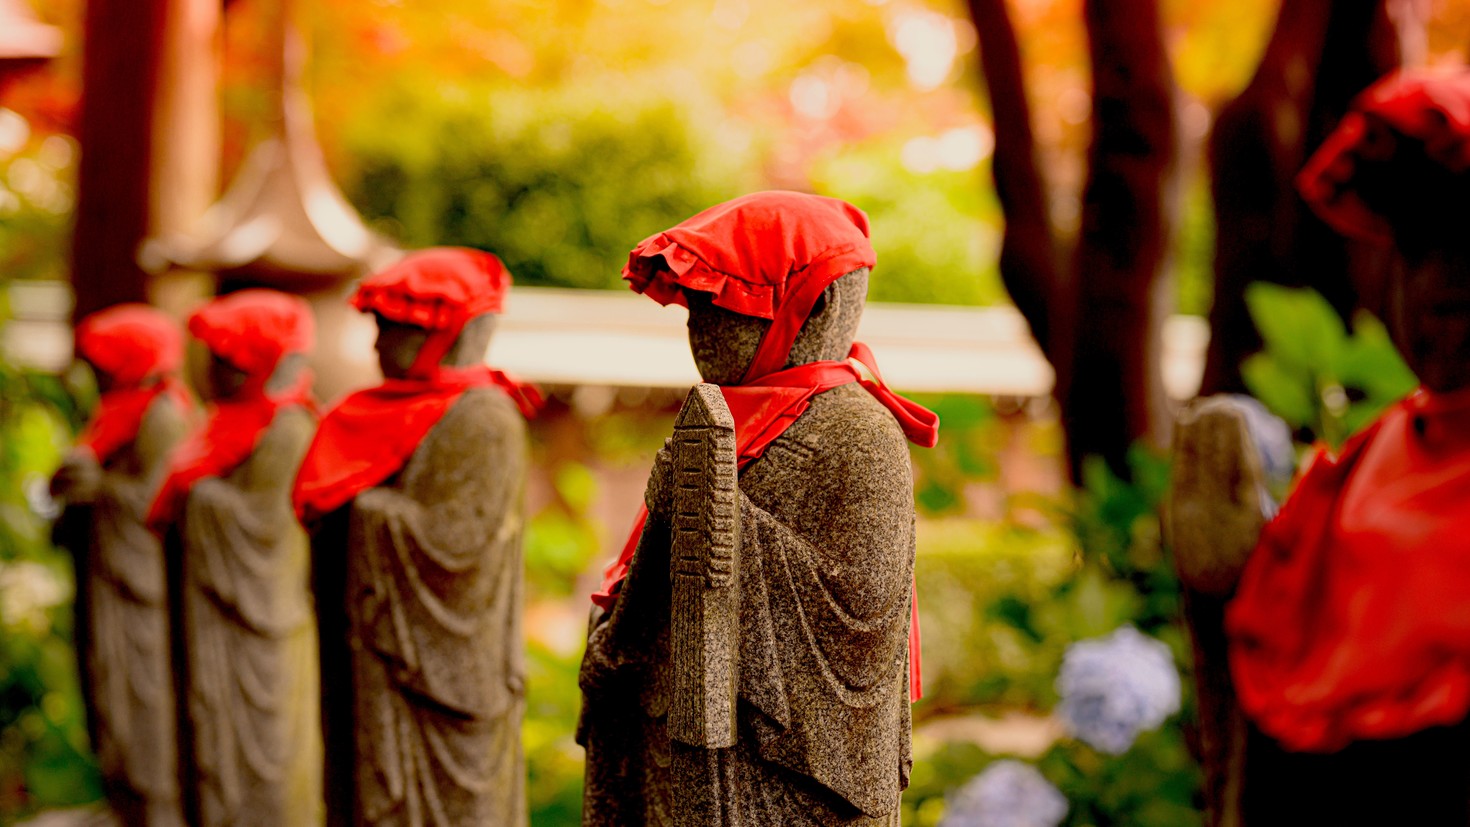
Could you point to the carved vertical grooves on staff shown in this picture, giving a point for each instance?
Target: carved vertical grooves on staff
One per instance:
(706, 592)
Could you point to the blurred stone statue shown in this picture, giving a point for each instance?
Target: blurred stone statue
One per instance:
(1344, 616)
(752, 656)
(122, 629)
(252, 752)
(415, 489)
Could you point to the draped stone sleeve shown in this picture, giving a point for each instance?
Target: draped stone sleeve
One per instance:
(434, 604)
(250, 639)
(827, 583)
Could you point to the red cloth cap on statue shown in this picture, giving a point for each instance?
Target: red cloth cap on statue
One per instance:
(253, 329)
(440, 288)
(369, 436)
(131, 343)
(767, 254)
(1429, 106)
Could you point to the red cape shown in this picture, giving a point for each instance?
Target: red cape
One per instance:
(120, 413)
(226, 440)
(762, 412)
(370, 435)
(1352, 620)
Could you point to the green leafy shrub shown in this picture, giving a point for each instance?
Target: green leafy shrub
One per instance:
(1026, 597)
(559, 184)
(934, 233)
(44, 757)
(1312, 372)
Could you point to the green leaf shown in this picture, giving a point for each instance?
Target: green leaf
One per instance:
(1372, 364)
(1285, 391)
(1297, 326)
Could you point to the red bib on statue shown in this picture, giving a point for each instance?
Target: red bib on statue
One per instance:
(1352, 620)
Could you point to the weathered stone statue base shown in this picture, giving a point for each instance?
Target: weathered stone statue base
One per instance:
(825, 566)
(434, 602)
(250, 638)
(123, 628)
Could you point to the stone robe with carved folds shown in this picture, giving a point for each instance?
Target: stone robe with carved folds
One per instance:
(250, 636)
(825, 566)
(433, 596)
(123, 625)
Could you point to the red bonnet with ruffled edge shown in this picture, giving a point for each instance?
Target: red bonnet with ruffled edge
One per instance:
(767, 254)
(253, 329)
(440, 288)
(1430, 106)
(131, 343)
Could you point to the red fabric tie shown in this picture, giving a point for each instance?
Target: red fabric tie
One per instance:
(222, 444)
(762, 411)
(370, 435)
(1350, 621)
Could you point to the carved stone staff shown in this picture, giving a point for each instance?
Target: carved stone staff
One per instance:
(706, 590)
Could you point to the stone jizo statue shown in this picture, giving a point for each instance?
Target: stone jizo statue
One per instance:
(252, 751)
(107, 482)
(415, 489)
(1343, 618)
(751, 658)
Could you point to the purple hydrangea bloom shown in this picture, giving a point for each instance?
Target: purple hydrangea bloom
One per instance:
(1115, 687)
(1006, 794)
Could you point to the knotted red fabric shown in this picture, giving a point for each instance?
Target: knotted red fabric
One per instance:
(1350, 621)
(140, 350)
(252, 330)
(369, 436)
(1431, 106)
(770, 255)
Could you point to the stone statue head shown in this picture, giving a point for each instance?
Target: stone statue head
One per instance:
(724, 342)
(225, 380)
(398, 344)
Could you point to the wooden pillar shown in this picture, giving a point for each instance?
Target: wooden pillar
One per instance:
(149, 137)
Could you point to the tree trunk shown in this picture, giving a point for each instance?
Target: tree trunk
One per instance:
(122, 53)
(1321, 55)
(1116, 395)
(1028, 252)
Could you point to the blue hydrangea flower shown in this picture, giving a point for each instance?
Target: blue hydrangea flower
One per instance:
(1006, 794)
(1115, 687)
(1272, 438)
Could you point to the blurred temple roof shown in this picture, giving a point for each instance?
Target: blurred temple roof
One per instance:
(282, 221)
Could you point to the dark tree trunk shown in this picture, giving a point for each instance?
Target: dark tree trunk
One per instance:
(1115, 395)
(1106, 357)
(124, 41)
(1321, 55)
(1028, 252)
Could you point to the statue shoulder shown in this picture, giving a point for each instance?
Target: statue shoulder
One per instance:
(486, 411)
(847, 425)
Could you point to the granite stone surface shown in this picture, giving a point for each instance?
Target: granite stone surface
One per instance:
(248, 634)
(123, 618)
(431, 563)
(805, 611)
